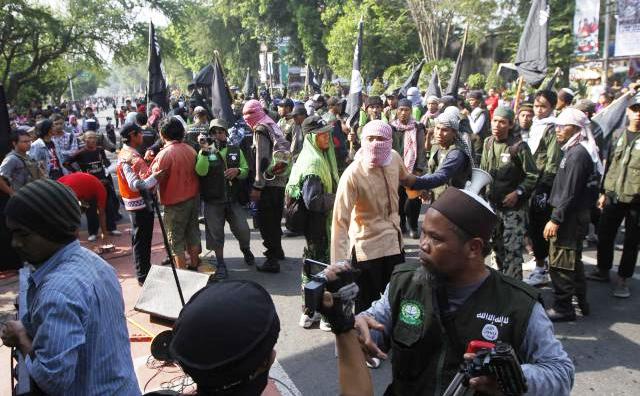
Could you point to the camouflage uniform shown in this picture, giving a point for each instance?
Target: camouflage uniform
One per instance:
(512, 168)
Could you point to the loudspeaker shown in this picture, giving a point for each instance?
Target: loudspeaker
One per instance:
(159, 296)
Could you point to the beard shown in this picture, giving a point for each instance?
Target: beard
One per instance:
(427, 273)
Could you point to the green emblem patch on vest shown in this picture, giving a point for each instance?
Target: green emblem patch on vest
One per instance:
(411, 312)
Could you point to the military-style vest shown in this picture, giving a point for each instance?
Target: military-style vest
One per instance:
(428, 348)
(505, 167)
(438, 156)
(622, 180)
(214, 186)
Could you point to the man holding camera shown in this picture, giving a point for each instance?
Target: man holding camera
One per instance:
(431, 311)
(220, 166)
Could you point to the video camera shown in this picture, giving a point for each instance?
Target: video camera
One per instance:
(205, 140)
(493, 360)
(314, 289)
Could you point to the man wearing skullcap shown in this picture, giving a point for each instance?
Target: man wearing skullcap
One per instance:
(199, 127)
(450, 160)
(391, 100)
(574, 192)
(524, 121)
(509, 162)
(74, 335)
(430, 310)
(224, 338)
(620, 199)
(546, 154)
(408, 141)
(565, 98)
(366, 225)
(431, 111)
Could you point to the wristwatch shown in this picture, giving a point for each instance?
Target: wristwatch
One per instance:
(519, 192)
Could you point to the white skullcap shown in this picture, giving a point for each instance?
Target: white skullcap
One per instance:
(572, 116)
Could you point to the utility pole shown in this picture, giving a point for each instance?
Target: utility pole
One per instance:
(73, 98)
(607, 28)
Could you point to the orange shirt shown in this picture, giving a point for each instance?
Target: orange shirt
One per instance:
(179, 182)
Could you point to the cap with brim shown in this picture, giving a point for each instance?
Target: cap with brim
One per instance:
(467, 211)
(218, 123)
(635, 100)
(374, 101)
(315, 124)
(298, 110)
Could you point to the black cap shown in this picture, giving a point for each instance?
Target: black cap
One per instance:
(405, 103)
(477, 94)
(297, 110)
(224, 333)
(315, 124)
(129, 129)
(285, 103)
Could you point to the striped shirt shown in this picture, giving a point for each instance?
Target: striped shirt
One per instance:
(76, 320)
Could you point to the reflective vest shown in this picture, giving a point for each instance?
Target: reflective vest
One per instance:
(132, 199)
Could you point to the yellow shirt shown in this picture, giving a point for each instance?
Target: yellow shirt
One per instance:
(365, 213)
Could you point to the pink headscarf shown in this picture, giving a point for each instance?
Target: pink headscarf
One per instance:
(156, 113)
(254, 114)
(377, 152)
(72, 118)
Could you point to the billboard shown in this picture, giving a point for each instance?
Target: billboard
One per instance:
(585, 27)
(628, 28)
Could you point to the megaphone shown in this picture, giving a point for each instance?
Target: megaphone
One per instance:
(479, 179)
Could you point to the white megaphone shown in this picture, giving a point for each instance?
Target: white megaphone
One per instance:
(479, 179)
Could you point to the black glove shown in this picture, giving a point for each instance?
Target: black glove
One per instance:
(344, 291)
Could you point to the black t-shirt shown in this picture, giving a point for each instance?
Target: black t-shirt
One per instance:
(55, 167)
(92, 162)
(149, 137)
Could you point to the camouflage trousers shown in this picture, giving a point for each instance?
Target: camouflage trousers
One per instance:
(507, 241)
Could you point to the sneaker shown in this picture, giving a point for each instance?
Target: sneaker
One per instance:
(249, 258)
(115, 233)
(556, 316)
(269, 265)
(324, 325)
(92, 238)
(598, 275)
(622, 289)
(529, 265)
(306, 321)
(375, 363)
(538, 277)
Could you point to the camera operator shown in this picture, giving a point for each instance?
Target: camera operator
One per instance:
(430, 311)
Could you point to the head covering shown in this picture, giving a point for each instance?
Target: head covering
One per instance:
(525, 107)
(573, 116)
(254, 114)
(223, 335)
(569, 92)
(449, 119)
(73, 118)
(373, 101)
(432, 98)
(477, 94)
(467, 211)
(199, 110)
(447, 101)
(405, 103)
(218, 123)
(586, 106)
(504, 112)
(378, 152)
(413, 94)
(333, 101)
(635, 100)
(286, 103)
(126, 131)
(46, 207)
(297, 110)
(315, 124)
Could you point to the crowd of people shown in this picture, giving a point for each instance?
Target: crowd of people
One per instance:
(355, 192)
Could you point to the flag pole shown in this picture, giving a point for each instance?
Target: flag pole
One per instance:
(518, 92)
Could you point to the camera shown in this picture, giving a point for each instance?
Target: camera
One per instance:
(315, 288)
(205, 140)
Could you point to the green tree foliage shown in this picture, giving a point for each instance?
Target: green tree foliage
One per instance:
(377, 87)
(493, 79)
(476, 81)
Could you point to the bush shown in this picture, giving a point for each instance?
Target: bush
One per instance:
(476, 81)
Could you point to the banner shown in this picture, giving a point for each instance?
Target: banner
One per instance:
(531, 59)
(585, 27)
(628, 28)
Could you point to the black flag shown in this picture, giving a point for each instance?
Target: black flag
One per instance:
(548, 86)
(454, 81)
(250, 89)
(5, 126)
(531, 59)
(220, 96)
(157, 88)
(354, 101)
(612, 117)
(310, 81)
(434, 85)
(413, 79)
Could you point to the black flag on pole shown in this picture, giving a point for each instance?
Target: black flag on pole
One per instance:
(310, 81)
(354, 101)
(220, 96)
(434, 85)
(531, 59)
(454, 81)
(157, 86)
(250, 90)
(5, 125)
(612, 117)
(413, 79)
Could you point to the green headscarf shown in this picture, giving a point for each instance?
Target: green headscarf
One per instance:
(313, 161)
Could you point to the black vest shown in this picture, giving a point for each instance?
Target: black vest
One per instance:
(508, 174)
(214, 186)
(428, 351)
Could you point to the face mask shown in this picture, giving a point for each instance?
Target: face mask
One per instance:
(377, 152)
